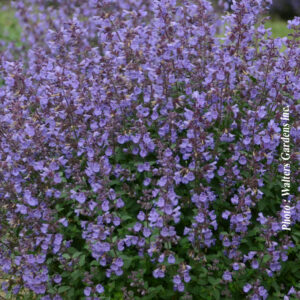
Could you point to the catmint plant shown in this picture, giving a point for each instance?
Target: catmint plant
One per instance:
(140, 152)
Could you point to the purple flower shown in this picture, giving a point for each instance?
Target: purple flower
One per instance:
(221, 171)
(63, 221)
(161, 258)
(226, 214)
(137, 227)
(240, 218)
(87, 291)
(200, 218)
(119, 262)
(29, 199)
(29, 130)
(262, 112)
(22, 209)
(146, 232)
(80, 198)
(262, 292)
(171, 259)
(121, 139)
(105, 206)
(261, 218)
(147, 181)
(176, 279)
(57, 178)
(227, 276)
(188, 114)
(292, 291)
(141, 216)
(247, 287)
(133, 128)
(136, 138)
(99, 288)
(162, 181)
(153, 216)
(57, 278)
(235, 200)
(119, 203)
(186, 277)
(180, 287)
(158, 273)
(266, 139)
(242, 160)
(254, 264)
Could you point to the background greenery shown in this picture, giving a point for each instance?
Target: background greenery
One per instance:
(10, 29)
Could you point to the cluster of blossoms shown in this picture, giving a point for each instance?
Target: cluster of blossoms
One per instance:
(134, 137)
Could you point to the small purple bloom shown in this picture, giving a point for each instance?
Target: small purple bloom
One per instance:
(80, 198)
(171, 259)
(99, 288)
(221, 171)
(29, 130)
(119, 203)
(57, 278)
(242, 160)
(254, 264)
(226, 214)
(176, 279)
(227, 276)
(162, 181)
(87, 291)
(235, 200)
(247, 287)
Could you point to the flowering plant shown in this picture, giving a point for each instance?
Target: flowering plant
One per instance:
(140, 152)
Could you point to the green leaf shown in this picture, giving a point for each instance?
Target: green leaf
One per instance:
(77, 254)
(82, 261)
(63, 289)
(213, 280)
(266, 258)
(216, 294)
(76, 274)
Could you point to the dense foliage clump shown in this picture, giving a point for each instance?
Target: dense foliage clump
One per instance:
(140, 152)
